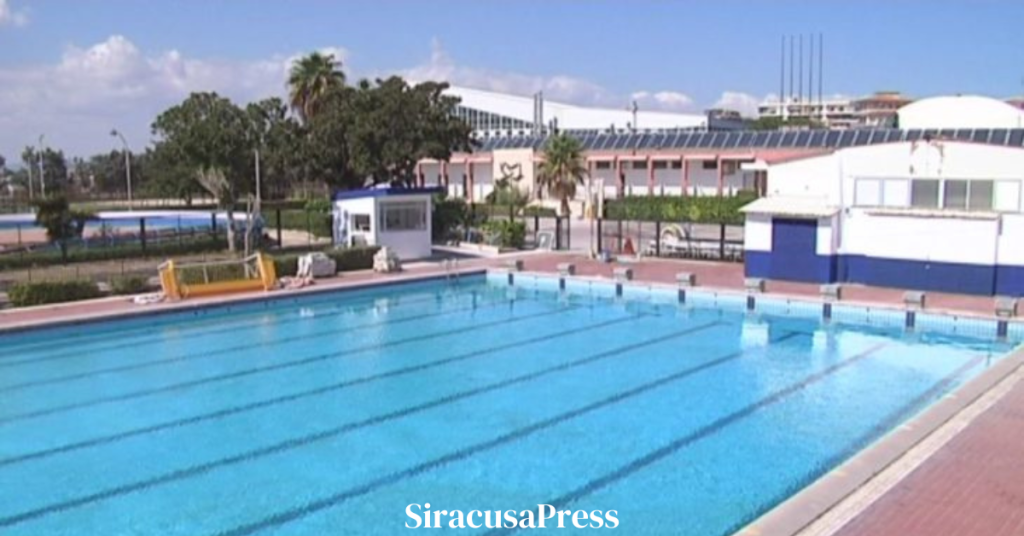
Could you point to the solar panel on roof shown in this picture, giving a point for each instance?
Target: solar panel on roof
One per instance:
(846, 138)
(773, 140)
(760, 139)
(672, 140)
(981, 135)
(817, 138)
(963, 134)
(998, 136)
(788, 139)
(802, 139)
(862, 137)
(705, 140)
(832, 138)
(914, 135)
(893, 135)
(620, 141)
(689, 139)
(1016, 138)
(745, 139)
(930, 133)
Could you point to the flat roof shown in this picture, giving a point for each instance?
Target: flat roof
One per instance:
(382, 192)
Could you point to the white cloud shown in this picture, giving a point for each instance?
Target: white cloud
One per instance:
(77, 100)
(672, 101)
(11, 16)
(744, 103)
(559, 87)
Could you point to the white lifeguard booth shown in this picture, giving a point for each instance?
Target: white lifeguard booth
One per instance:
(396, 218)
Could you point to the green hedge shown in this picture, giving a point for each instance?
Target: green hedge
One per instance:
(507, 234)
(348, 259)
(52, 257)
(27, 294)
(129, 284)
(317, 223)
(679, 209)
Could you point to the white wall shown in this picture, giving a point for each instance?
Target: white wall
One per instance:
(958, 240)
(1011, 238)
(961, 111)
(757, 233)
(414, 244)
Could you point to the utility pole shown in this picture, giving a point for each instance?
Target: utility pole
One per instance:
(42, 176)
(127, 166)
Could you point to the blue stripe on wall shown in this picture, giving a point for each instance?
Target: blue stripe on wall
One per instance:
(898, 273)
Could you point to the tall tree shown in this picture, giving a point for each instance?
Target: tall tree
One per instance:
(210, 137)
(277, 137)
(563, 169)
(310, 80)
(61, 222)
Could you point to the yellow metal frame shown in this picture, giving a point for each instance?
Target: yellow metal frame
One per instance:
(173, 288)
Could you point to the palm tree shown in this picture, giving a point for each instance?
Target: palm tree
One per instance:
(310, 78)
(563, 169)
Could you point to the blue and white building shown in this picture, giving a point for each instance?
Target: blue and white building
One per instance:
(933, 214)
(396, 218)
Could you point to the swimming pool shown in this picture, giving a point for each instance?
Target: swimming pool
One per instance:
(333, 413)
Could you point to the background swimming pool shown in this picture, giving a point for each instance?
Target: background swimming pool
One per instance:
(330, 414)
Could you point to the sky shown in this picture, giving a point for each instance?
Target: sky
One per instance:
(72, 70)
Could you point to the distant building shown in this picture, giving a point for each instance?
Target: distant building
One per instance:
(503, 114)
(960, 112)
(1016, 102)
(875, 111)
(832, 113)
(879, 110)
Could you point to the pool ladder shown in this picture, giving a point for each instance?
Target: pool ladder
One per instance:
(451, 269)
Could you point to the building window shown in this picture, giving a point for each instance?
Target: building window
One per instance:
(361, 222)
(403, 216)
(924, 193)
(660, 164)
(676, 164)
(980, 195)
(639, 164)
(709, 164)
(602, 165)
(954, 195)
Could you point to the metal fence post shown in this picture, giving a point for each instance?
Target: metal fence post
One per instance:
(142, 233)
(558, 233)
(277, 212)
(619, 250)
(568, 232)
(657, 238)
(600, 247)
(721, 241)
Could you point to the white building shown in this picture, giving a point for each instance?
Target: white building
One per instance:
(388, 217)
(931, 215)
(501, 112)
(960, 112)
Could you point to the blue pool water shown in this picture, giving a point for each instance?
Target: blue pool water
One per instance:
(331, 414)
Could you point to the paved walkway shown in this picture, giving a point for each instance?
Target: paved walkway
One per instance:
(973, 486)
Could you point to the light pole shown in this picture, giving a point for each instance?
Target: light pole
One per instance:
(127, 165)
(42, 176)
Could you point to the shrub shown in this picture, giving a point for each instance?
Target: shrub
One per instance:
(448, 216)
(129, 284)
(689, 209)
(50, 257)
(28, 294)
(347, 259)
(316, 223)
(507, 234)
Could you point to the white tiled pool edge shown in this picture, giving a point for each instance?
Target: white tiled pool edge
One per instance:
(828, 504)
(810, 308)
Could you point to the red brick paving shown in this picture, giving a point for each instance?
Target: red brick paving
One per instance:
(973, 486)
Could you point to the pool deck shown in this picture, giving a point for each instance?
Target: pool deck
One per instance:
(956, 469)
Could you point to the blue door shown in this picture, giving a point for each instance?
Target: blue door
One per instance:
(793, 252)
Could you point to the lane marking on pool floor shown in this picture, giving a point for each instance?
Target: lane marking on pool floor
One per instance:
(191, 472)
(263, 369)
(235, 410)
(241, 348)
(703, 432)
(194, 328)
(77, 354)
(288, 516)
